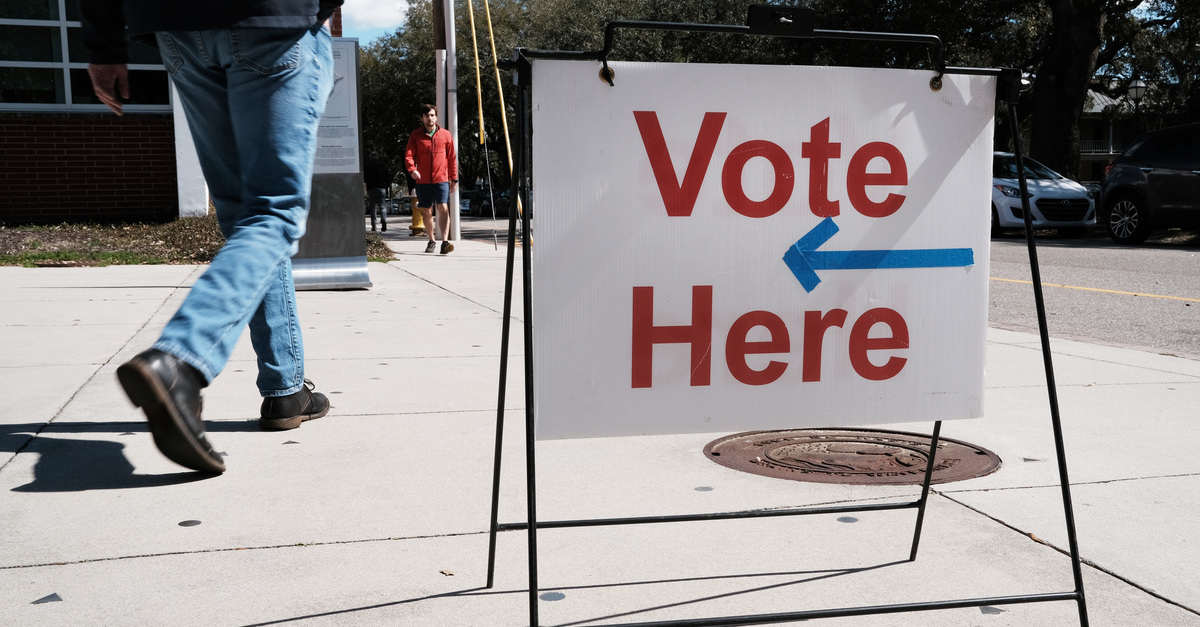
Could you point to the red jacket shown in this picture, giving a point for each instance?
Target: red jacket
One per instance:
(432, 156)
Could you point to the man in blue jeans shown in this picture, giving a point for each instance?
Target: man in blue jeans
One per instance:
(253, 78)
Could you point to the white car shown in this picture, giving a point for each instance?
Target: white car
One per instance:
(1056, 201)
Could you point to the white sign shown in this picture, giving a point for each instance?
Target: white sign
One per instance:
(721, 248)
(337, 135)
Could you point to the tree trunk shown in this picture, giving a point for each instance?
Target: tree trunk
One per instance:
(1062, 81)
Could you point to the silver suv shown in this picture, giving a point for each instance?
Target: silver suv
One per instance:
(1154, 183)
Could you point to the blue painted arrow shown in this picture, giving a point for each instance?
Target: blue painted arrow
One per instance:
(803, 258)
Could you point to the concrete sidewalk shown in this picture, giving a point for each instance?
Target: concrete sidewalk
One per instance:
(377, 513)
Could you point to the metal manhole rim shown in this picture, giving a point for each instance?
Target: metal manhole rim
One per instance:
(860, 456)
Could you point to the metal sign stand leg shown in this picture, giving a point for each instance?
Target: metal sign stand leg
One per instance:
(518, 173)
(1012, 96)
(518, 183)
(929, 464)
(505, 336)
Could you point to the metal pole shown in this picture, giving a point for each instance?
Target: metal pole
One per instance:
(451, 110)
(439, 57)
(518, 179)
(1044, 332)
(439, 99)
(929, 464)
(505, 337)
(439, 74)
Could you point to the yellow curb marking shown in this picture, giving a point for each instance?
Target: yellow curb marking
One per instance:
(1096, 289)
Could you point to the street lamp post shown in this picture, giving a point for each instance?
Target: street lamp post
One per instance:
(1137, 91)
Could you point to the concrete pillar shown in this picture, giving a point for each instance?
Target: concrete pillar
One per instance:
(193, 191)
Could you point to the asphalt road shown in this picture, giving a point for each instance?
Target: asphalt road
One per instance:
(1145, 297)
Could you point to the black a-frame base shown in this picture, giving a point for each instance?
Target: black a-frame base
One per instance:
(775, 22)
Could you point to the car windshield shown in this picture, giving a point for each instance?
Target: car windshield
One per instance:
(1005, 167)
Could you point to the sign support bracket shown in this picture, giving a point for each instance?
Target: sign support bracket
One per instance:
(779, 22)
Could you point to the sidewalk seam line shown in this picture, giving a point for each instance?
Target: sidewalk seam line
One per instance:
(1066, 553)
(58, 412)
(241, 548)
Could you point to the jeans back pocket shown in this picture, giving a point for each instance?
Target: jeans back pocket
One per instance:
(169, 51)
(267, 50)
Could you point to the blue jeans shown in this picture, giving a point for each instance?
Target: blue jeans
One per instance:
(253, 98)
(377, 198)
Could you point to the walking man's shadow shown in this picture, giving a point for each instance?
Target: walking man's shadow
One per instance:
(70, 464)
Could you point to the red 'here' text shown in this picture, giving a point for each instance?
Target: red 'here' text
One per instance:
(698, 336)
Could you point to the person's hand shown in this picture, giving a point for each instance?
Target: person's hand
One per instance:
(453, 186)
(110, 83)
(416, 174)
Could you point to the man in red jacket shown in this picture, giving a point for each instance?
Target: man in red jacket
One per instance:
(430, 159)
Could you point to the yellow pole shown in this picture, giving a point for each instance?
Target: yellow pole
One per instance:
(500, 90)
(418, 225)
(478, 79)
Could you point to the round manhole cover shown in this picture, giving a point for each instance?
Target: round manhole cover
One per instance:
(855, 456)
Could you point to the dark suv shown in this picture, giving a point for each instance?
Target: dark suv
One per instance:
(1155, 182)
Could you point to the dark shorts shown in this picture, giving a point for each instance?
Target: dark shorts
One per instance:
(430, 193)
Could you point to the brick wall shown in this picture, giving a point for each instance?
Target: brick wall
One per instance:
(59, 167)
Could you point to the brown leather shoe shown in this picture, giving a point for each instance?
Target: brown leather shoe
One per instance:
(280, 413)
(168, 391)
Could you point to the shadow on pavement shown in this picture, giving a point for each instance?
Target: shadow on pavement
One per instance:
(76, 465)
(1097, 238)
(804, 577)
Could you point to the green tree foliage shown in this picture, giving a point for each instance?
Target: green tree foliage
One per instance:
(398, 75)
(395, 76)
(1157, 44)
(1059, 43)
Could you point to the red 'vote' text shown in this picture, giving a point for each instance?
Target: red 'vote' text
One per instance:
(679, 195)
(698, 336)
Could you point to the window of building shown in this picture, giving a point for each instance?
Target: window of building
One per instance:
(43, 65)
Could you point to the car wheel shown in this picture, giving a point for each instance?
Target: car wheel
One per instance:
(1127, 221)
(995, 222)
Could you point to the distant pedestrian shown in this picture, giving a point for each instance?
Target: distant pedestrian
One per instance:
(431, 161)
(253, 78)
(378, 181)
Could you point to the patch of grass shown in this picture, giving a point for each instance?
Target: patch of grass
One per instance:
(377, 249)
(183, 241)
(74, 258)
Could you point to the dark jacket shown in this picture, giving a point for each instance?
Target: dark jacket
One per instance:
(105, 21)
(377, 175)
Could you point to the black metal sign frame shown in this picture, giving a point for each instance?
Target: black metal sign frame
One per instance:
(787, 22)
